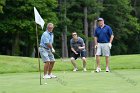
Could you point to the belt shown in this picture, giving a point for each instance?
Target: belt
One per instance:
(44, 47)
(103, 42)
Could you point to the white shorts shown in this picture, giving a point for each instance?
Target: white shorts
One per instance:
(46, 55)
(103, 49)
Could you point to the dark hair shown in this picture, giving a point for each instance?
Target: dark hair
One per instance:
(74, 32)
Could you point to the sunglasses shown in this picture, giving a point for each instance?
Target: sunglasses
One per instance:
(74, 34)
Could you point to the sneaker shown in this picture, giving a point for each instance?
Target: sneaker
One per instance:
(85, 69)
(107, 69)
(53, 76)
(47, 77)
(75, 69)
(98, 69)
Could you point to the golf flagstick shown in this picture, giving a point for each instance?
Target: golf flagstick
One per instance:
(39, 21)
(38, 54)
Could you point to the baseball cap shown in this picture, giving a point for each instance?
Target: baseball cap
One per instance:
(100, 19)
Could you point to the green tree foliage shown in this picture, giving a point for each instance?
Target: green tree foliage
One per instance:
(2, 3)
(76, 13)
(80, 20)
(117, 14)
(136, 36)
(18, 27)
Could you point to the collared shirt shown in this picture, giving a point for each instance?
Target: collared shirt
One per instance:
(103, 34)
(76, 44)
(46, 38)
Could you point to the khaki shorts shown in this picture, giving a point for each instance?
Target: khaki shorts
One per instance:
(103, 49)
(46, 55)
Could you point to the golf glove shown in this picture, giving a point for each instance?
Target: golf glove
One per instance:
(53, 50)
(95, 46)
(110, 45)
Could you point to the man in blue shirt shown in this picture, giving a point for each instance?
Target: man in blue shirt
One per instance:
(46, 51)
(103, 38)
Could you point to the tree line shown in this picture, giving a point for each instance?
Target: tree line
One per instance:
(17, 25)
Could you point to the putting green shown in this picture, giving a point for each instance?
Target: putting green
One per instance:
(117, 81)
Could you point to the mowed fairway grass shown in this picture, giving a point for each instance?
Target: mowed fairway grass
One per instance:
(118, 81)
(18, 75)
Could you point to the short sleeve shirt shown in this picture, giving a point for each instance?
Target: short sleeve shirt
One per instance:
(47, 37)
(76, 44)
(103, 34)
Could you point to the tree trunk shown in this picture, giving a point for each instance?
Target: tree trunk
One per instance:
(64, 44)
(86, 29)
(136, 8)
(94, 28)
(15, 46)
(64, 36)
(91, 42)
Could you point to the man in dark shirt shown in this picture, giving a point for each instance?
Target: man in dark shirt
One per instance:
(78, 49)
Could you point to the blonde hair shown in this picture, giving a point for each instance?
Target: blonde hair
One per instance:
(50, 24)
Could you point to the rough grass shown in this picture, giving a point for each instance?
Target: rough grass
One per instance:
(13, 64)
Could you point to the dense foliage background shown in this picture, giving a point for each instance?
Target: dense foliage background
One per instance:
(17, 26)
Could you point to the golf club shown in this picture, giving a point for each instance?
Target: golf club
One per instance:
(94, 64)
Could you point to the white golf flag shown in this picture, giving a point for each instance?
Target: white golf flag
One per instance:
(38, 18)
